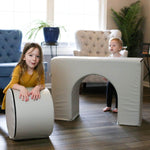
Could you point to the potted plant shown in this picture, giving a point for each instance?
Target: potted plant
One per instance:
(51, 33)
(130, 23)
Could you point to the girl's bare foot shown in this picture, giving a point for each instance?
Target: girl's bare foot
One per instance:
(115, 110)
(107, 109)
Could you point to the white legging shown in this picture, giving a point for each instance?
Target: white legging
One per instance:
(32, 119)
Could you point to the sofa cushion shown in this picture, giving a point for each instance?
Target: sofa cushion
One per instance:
(6, 69)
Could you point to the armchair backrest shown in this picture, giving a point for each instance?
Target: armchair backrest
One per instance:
(95, 43)
(10, 45)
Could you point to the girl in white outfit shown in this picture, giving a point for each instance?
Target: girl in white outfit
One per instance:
(115, 46)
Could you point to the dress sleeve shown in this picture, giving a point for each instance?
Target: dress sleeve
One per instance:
(14, 79)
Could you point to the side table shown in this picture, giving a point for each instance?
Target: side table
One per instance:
(146, 54)
(53, 52)
(147, 65)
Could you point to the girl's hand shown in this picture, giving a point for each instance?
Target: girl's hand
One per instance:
(35, 93)
(24, 94)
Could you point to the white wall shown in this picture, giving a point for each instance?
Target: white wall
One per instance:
(146, 10)
(118, 4)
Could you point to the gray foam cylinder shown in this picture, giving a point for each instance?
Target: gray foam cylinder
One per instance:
(32, 119)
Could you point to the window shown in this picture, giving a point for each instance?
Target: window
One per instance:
(76, 15)
(19, 14)
(72, 14)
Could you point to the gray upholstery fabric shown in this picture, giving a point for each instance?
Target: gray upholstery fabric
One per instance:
(10, 46)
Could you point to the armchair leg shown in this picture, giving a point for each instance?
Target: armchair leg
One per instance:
(82, 86)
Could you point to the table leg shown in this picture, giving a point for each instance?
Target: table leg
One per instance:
(148, 69)
(51, 52)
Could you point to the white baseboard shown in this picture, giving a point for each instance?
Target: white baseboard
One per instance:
(146, 84)
(48, 85)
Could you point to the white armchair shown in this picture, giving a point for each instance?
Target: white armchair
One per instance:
(95, 43)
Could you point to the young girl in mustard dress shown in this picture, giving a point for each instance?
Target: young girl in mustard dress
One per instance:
(29, 72)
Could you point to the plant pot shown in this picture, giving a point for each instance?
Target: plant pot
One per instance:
(51, 34)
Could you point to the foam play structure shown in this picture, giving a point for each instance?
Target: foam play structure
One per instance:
(28, 120)
(125, 74)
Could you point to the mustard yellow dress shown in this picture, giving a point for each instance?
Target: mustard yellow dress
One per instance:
(26, 80)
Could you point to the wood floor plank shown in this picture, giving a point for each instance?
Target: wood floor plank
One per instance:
(92, 130)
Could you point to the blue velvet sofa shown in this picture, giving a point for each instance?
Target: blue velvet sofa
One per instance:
(10, 46)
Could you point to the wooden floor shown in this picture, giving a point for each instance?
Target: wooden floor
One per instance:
(92, 130)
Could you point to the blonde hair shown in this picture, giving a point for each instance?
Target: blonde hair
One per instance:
(39, 68)
(118, 40)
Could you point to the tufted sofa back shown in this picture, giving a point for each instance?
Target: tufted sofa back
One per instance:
(10, 45)
(94, 43)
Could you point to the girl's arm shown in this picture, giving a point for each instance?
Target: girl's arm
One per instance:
(24, 94)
